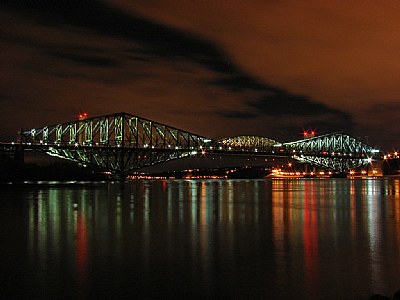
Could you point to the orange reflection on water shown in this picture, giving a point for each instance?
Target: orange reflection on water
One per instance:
(284, 225)
(394, 191)
(203, 203)
(353, 209)
(307, 233)
(277, 213)
(310, 234)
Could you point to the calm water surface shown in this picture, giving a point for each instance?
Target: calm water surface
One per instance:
(248, 239)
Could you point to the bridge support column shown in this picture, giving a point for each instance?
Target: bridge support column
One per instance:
(121, 176)
(339, 175)
(19, 154)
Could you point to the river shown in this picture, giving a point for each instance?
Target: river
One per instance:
(242, 239)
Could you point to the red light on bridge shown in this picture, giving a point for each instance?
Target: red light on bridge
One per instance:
(83, 116)
(308, 133)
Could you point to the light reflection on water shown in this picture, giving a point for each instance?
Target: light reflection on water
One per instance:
(275, 239)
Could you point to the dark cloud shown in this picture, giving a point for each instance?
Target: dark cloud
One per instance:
(284, 103)
(107, 20)
(240, 82)
(156, 61)
(386, 107)
(92, 60)
(236, 114)
(273, 101)
(380, 120)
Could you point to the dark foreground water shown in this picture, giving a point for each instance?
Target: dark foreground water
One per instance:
(242, 239)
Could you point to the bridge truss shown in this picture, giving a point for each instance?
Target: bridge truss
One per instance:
(249, 143)
(121, 143)
(117, 143)
(337, 151)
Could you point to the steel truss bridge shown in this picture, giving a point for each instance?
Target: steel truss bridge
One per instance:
(122, 143)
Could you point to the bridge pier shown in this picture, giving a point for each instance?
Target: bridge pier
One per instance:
(19, 154)
(340, 175)
(120, 176)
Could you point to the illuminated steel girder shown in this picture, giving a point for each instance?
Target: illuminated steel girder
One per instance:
(336, 151)
(251, 143)
(338, 165)
(118, 143)
(121, 143)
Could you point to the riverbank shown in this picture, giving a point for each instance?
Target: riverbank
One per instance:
(60, 171)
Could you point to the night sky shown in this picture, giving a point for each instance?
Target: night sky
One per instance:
(215, 68)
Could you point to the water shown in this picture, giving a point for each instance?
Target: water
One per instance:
(246, 239)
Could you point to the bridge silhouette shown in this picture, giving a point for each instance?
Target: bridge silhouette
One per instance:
(122, 143)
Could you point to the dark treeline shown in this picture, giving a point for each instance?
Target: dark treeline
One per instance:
(11, 170)
(391, 167)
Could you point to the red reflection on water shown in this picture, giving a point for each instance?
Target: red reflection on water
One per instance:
(81, 250)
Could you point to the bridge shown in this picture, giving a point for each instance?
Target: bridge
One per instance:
(122, 143)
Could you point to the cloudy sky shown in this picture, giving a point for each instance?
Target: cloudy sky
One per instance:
(215, 68)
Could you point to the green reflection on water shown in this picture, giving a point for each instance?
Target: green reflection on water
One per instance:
(313, 234)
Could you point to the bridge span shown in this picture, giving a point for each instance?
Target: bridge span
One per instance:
(122, 143)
